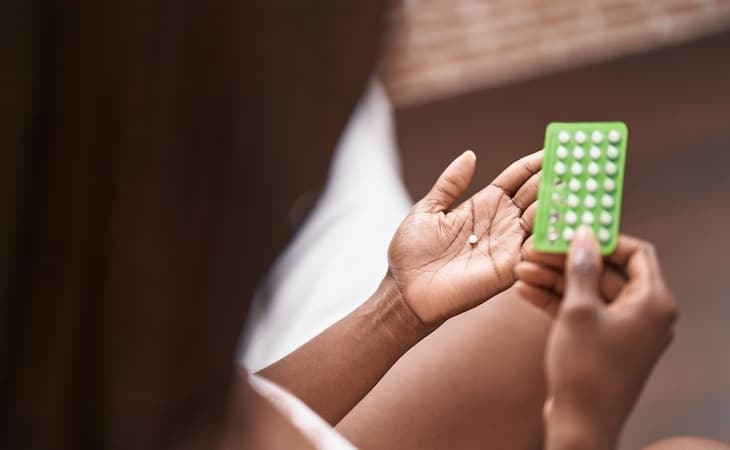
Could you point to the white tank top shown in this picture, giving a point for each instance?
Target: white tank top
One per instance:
(314, 428)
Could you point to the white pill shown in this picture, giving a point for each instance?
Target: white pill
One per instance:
(604, 235)
(580, 137)
(573, 201)
(591, 184)
(576, 168)
(588, 217)
(593, 168)
(568, 234)
(562, 152)
(595, 152)
(612, 152)
(472, 238)
(559, 168)
(589, 201)
(578, 152)
(597, 137)
(563, 137)
(571, 217)
(606, 218)
(607, 201)
(574, 185)
(611, 168)
(614, 136)
(609, 184)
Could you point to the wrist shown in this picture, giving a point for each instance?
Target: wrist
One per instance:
(394, 316)
(568, 429)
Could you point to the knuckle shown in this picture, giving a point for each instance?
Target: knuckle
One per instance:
(663, 307)
(579, 311)
(648, 249)
(524, 225)
(584, 266)
(525, 252)
(670, 311)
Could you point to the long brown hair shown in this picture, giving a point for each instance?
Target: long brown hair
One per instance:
(152, 152)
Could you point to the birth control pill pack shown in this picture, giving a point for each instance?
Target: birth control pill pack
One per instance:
(581, 183)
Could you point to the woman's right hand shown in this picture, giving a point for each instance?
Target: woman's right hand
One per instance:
(609, 330)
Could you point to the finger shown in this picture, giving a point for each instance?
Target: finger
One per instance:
(544, 299)
(538, 275)
(527, 193)
(528, 218)
(637, 257)
(553, 260)
(546, 277)
(625, 247)
(612, 282)
(518, 173)
(451, 184)
(583, 273)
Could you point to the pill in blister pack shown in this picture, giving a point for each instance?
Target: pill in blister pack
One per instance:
(588, 158)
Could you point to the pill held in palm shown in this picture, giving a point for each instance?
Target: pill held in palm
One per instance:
(472, 239)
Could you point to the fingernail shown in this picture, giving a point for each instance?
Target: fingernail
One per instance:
(582, 252)
(472, 153)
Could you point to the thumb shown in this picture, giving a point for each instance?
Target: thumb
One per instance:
(451, 184)
(583, 271)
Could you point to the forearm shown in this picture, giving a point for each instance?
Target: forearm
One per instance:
(333, 371)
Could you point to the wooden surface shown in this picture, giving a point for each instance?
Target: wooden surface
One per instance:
(677, 193)
(438, 49)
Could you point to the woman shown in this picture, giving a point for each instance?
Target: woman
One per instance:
(153, 154)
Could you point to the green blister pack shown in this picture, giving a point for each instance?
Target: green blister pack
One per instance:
(582, 182)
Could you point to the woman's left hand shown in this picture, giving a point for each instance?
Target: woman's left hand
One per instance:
(436, 268)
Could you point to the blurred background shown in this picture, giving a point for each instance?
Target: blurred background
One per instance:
(488, 75)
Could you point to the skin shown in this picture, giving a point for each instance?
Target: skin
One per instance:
(339, 369)
(591, 391)
(434, 274)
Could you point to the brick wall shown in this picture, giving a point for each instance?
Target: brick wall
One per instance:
(439, 48)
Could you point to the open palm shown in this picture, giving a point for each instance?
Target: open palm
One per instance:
(439, 272)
